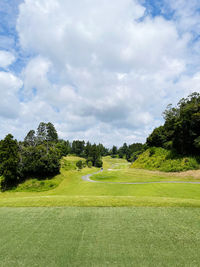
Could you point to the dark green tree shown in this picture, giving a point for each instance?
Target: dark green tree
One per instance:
(157, 137)
(9, 161)
(41, 133)
(52, 135)
(79, 164)
(30, 139)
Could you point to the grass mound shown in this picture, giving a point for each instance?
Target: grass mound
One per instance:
(156, 158)
(39, 185)
(69, 163)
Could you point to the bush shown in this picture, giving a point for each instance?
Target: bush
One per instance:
(98, 163)
(89, 164)
(79, 164)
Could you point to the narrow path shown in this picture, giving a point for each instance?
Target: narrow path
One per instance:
(87, 179)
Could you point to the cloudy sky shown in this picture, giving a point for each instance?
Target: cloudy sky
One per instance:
(99, 70)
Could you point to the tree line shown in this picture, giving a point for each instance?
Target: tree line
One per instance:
(40, 153)
(181, 130)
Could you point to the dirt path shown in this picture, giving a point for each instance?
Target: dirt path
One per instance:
(87, 179)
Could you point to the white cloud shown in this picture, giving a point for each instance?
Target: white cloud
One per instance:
(9, 102)
(99, 72)
(6, 59)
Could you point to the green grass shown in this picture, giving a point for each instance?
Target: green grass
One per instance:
(73, 191)
(129, 175)
(99, 237)
(161, 159)
(69, 163)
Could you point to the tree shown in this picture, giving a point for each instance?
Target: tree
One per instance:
(9, 161)
(37, 162)
(122, 151)
(157, 137)
(64, 147)
(41, 133)
(78, 147)
(114, 151)
(79, 164)
(30, 139)
(181, 129)
(52, 135)
(89, 164)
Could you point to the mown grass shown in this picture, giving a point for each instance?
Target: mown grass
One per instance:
(99, 237)
(73, 191)
(129, 175)
(165, 160)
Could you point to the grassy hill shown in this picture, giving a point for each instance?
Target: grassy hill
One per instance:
(36, 185)
(156, 158)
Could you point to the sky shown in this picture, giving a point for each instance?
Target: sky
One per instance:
(99, 70)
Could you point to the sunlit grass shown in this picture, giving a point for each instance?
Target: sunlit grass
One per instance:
(99, 237)
(73, 191)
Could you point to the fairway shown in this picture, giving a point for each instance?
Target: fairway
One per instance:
(72, 190)
(99, 237)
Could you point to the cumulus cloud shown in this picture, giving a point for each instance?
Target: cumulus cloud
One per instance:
(104, 70)
(10, 104)
(6, 59)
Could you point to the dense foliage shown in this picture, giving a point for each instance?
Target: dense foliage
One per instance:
(39, 155)
(36, 156)
(9, 161)
(181, 130)
(129, 152)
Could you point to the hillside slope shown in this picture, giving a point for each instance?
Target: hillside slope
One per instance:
(156, 158)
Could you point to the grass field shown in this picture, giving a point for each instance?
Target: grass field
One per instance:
(99, 237)
(80, 223)
(73, 191)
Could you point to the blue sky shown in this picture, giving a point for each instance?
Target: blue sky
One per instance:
(99, 70)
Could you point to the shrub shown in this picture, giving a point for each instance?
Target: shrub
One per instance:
(89, 164)
(79, 164)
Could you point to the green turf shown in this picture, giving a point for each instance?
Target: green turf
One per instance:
(73, 191)
(138, 175)
(99, 237)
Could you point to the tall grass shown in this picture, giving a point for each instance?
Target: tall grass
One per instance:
(156, 158)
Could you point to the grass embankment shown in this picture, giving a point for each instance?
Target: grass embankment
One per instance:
(131, 175)
(38, 185)
(161, 159)
(99, 237)
(73, 191)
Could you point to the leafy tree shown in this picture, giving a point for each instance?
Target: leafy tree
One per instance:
(78, 147)
(122, 151)
(181, 129)
(114, 151)
(37, 162)
(9, 161)
(89, 164)
(79, 164)
(30, 139)
(52, 135)
(157, 138)
(64, 147)
(133, 150)
(41, 132)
